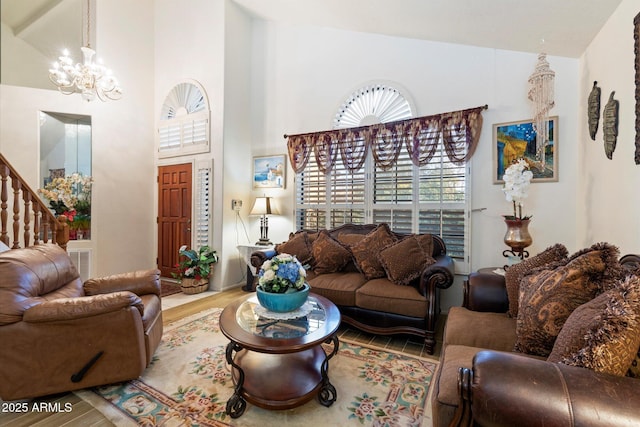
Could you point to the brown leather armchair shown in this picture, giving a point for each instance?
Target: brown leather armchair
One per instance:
(59, 335)
(504, 389)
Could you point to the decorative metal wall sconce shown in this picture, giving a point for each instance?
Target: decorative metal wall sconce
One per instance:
(610, 125)
(593, 110)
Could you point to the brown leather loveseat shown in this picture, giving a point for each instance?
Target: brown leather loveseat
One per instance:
(400, 295)
(58, 335)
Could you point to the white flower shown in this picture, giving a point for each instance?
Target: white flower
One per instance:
(269, 275)
(517, 179)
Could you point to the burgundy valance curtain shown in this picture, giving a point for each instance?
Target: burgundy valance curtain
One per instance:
(459, 131)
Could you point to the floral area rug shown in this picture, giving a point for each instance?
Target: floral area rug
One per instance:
(189, 382)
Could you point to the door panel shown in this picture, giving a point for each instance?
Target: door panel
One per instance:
(174, 214)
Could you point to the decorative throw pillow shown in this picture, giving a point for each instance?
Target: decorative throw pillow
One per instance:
(350, 239)
(404, 260)
(366, 251)
(549, 295)
(426, 242)
(297, 245)
(603, 334)
(328, 254)
(514, 273)
(634, 369)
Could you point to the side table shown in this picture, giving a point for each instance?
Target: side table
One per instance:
(246, 251)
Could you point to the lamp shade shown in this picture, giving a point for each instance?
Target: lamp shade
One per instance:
(262, 206)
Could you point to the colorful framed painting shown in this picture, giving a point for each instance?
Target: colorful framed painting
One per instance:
(515, 140)
(269, 171)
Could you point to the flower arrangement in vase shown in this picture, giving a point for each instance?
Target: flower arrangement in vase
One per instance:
(70, 196)
(194, 268)
(517, 179)
(282, 285)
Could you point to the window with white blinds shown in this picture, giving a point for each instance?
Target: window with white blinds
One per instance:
(184, 122)
(411, 199)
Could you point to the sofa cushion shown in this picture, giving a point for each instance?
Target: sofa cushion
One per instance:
(32, 275)
(329, 256)
(404, 260)
(604, 333)
(340, 287)
(514, 273)
(493, 331)
(383, 295)
(298, 245)
(454, 357)
(549, 295)
(366, 251)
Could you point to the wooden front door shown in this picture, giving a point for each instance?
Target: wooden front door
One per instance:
(174, 214)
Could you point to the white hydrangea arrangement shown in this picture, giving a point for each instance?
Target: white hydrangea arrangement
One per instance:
(517, 179)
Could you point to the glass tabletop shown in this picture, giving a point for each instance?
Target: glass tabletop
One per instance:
(313, 316)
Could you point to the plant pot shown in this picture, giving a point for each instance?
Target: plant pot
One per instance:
(517, 236)
(192, 286)
(282, 303)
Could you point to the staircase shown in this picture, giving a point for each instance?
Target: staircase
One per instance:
(31, 222)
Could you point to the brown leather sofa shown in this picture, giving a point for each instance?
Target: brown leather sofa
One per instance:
(380, 306)
(58, 335)
(481, 381)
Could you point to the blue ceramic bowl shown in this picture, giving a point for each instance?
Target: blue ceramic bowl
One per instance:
(282, 303)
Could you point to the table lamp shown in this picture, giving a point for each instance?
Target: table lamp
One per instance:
(262, 206)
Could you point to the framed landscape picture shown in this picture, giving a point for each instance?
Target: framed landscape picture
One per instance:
(515, 140)
(269, 171)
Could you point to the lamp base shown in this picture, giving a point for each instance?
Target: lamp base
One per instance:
(264, 242)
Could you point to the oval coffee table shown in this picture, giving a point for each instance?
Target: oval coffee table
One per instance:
(279, 363)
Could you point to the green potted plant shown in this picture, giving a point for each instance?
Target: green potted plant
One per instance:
(194, 268)
(282, 284)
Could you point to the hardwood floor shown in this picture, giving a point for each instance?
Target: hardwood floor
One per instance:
(81, 414)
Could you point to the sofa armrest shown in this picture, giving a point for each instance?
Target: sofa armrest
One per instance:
(259, 257)
(506, 389)
(485, 292)
(81, 307)
(438, 275)
(140, 282)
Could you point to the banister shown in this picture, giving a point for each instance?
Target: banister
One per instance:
(34, 208)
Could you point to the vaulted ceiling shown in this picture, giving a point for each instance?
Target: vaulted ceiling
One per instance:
(559, 27)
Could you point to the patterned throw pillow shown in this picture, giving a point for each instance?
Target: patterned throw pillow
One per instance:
(404, 260)
(350, 239)
(367, 250)
(329, 255)
(634, 369)
(549, 295)
(603, 334)
(514, 273)
(298, 245)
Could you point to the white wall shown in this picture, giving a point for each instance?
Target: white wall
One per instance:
(237, 139)
(21, 64)
(608, 202)
(302, 74)
(122, 217)
(189, 45)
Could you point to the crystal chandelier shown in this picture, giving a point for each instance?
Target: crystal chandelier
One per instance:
(87, 78)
